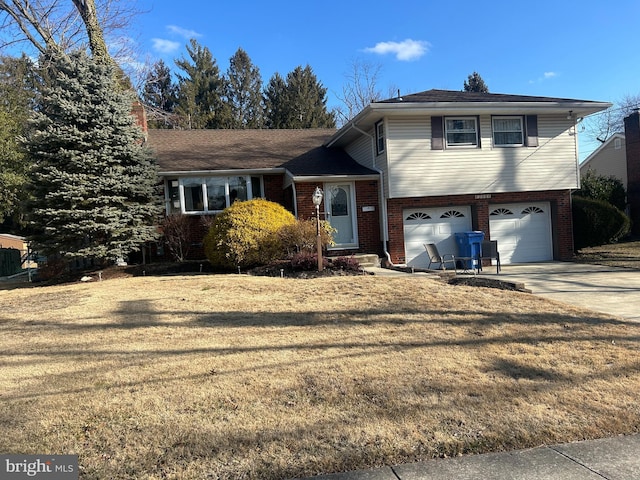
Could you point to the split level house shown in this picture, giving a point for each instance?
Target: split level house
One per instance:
(403, 172)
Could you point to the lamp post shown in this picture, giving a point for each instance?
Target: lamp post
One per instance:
(317, 200)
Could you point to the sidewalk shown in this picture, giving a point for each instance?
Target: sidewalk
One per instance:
(616, 458)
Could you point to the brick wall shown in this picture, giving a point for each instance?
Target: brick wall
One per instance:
(632, 136)
(561, 218)
(368, 222)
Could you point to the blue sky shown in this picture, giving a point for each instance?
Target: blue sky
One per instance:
(584, 50)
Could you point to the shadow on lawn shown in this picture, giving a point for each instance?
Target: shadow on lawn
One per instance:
(451, 397)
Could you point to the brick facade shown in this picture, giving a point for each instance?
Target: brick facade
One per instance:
(561, 219)
(632, 138)
(368, 221)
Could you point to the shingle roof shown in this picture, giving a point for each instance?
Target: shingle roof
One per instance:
(326, 161)
(431, 96)
(204, 150)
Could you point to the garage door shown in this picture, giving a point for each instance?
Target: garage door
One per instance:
(433, 225)
(523, 232)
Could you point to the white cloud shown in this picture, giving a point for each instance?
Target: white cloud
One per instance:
(545, 76)
(406, 50)
(164, 46)
(183, 32)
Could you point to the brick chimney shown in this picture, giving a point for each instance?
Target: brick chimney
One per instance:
(632, 137)
(138, 111)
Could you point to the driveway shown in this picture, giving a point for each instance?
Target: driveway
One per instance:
(610, 290)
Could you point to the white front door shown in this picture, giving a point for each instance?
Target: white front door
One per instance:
(340, 210)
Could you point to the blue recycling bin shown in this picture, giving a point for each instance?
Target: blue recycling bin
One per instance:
(469, 249)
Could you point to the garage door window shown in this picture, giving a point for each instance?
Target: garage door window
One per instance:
(452, 214)
(418, 216)
(502, 211)
(529, 210)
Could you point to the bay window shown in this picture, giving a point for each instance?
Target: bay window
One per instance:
(206, 195)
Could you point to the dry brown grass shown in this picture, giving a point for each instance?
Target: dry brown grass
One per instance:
(194, 377)
(623, 254)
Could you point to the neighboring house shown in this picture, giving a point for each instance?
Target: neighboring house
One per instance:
(403, 172)
(632, 137)
(609, 159)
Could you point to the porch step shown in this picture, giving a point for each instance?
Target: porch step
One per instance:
(368, 260)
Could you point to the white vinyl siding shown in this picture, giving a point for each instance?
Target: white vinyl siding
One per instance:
(418, 171)
(363, 151)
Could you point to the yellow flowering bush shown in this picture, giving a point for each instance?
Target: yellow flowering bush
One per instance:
(246, 234)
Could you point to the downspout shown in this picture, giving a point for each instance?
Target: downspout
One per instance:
(383, 206)
(295, 198)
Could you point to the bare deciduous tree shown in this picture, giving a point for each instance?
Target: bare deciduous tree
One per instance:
(360, 89)
(62, 25)
(602, 126)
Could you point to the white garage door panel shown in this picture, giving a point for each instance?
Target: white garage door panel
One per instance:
(523, 232)
(433, 225)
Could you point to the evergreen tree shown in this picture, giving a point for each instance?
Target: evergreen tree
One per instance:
(93, 181)
(475, 83)
(300, 103)
(201, 90)
(275, 94)
(244, 92)
(16, 98)
(159, 94)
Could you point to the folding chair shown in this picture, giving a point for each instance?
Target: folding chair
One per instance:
(490, 251)
(435, 257)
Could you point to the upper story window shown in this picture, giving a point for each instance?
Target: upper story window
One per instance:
(461, 131)
(379, 138)
(617, 143)
(508, 131)
(210, 194)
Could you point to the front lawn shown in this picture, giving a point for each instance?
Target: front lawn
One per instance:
(624, 254)
(211, 376)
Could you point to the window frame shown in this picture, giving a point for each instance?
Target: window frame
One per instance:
(447, 131)
(523, 136)
(380, 138)
(171, 200)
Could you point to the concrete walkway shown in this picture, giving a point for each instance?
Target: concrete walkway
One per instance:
(615, 458)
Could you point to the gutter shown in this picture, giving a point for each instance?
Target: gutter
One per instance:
(194, 173)
(383, 201)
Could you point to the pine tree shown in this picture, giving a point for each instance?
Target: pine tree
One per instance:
(16, 96)
(201, 90)
(159, 95)
(276, 106)
(300, 103)
(475, 83)
(93, 183)
(244, 92)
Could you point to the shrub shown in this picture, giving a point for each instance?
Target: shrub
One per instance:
(177, 235)
(346, 263)
(307, 261)
(302, 236)
(599, 187)
(246, 234)
(596, 222)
